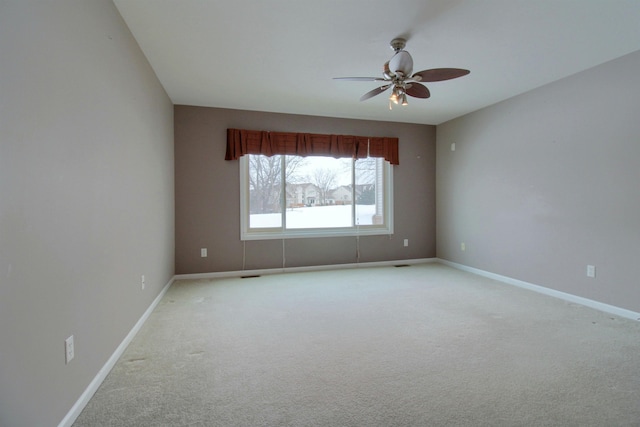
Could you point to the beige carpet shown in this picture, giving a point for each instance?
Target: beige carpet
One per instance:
(424, 345)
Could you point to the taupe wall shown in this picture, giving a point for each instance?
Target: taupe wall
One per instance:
(545, 183)
(208, 203)
(86, 198)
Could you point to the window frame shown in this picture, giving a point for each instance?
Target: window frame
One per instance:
(248, 233)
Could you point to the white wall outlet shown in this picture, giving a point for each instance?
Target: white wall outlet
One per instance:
(453, 146)
(591, 271)
(142, 282)
(203, 252)
(406, 242)
(69, 351)
(463, 247)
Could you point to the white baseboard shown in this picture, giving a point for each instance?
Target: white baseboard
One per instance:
(611, 309)
(241, 273)
(77, 408)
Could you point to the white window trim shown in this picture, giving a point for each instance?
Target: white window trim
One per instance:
(246, 233)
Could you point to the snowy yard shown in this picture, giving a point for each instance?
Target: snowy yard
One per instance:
(316, 217)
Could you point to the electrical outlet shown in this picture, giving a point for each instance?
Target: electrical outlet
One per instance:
(406, 242)
(591, 271)
(453, 146)
(203, 252)
(463, 247)
(69, 351)
(142, 282)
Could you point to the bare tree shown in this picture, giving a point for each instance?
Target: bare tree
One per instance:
(366, 170)
(292, 169)
(265, 180)
(325, 180)
(265, 174)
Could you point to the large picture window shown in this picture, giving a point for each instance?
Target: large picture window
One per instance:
(288, 196)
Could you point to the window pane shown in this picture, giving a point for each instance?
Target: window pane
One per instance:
(290, 196)
(319, 193)
(369, 201)
(265, 183)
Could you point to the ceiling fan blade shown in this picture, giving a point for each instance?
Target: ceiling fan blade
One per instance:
(417, 90)
(374, 92)
(361, 79)
(439, 74)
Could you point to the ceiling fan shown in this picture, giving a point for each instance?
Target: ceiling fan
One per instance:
(397, 75)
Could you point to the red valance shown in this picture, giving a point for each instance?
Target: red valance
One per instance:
(241, 142)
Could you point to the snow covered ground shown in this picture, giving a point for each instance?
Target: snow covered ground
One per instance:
(316, 217)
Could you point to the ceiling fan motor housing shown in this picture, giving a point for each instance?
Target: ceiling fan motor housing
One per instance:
(401, 63)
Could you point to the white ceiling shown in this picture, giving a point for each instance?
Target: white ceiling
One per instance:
(281, 55)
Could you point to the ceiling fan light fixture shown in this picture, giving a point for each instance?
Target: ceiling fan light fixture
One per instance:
(394, 96)
(404, 99)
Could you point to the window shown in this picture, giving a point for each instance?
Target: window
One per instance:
(288, 196)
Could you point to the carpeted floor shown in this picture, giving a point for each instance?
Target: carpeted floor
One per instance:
(424, 345)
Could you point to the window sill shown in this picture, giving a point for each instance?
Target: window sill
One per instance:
(306, 233)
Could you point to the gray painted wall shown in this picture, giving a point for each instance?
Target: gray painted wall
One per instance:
(545, 183)
(86, 198)
(208, 198)
(539, 186)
